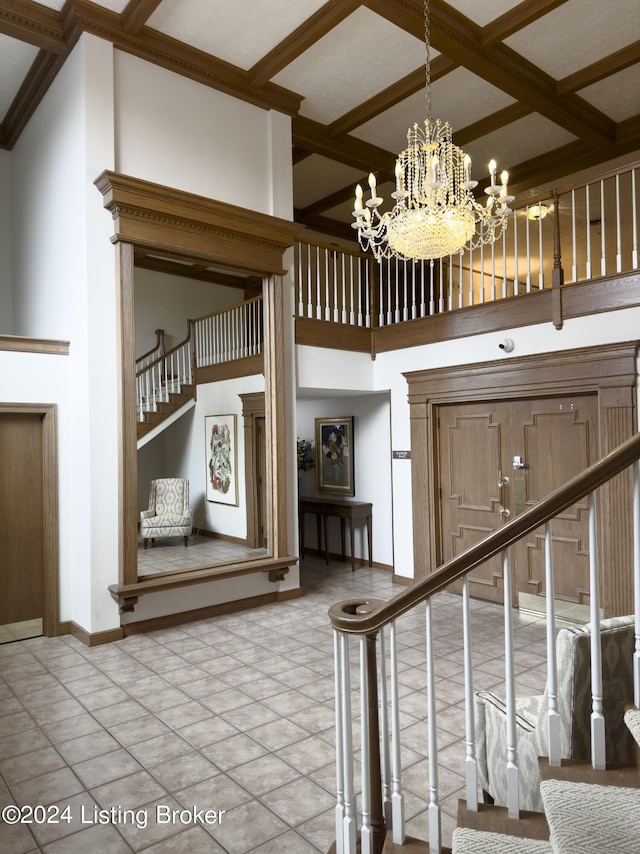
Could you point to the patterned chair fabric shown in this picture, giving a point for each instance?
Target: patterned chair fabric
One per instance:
(169, 514)
(573, 651)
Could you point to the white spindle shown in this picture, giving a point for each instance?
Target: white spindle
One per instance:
(366, 831)
(414, 301)
(343, 260)
(574, 238)
(471, 765)
(397, 798)
(385, 759)
(634, 222)
(493, 273)
(588, 227)
(423, 290)
(603, 243)
(432, 303)
(339, 811)
(598, 752)
(516, 259)
(433, 811)
(460, 280)
(349, 826)
(441, 287)
(618, 228)
(553, 720)
(527, 233)
(470, 277)
(397, 292)
(540, 256)
(636, 581)
(513, 795)
(504, 264)
(405, 292)
(482, 273)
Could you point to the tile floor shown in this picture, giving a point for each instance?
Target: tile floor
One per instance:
(170, 554)
(232, 713)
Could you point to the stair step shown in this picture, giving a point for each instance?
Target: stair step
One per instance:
(411, 845)
(589, 819)
(495, 819)
(581, 771)
(632, 720)
(466, 841)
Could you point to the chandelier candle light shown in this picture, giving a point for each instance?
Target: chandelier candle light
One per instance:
(435, 212)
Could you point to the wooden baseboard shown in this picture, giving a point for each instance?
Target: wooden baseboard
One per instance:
(402, 579)
(170, 620)
(337, 558)
(68, 627)
(215, 535)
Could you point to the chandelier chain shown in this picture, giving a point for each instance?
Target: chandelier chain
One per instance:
(427, 43)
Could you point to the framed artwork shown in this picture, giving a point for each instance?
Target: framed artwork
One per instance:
(222, 458)
(334, 455)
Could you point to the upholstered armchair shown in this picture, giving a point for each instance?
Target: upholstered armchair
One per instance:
(574, 707)
(169, 514)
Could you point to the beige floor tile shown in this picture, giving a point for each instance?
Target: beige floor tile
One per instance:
(194, 840)
(184, 771)
(184, 714)
(289, 843)
(48, 788)
(207, 732)
(264, 774)
(217, 793)
(73, 811)
(298, 801)
(103, 769)
(102, 838)
(16, 839)
(129, 792)
(28, 765)
(246, 826)
(87, 747)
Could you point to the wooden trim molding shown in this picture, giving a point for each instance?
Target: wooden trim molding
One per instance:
(21, 344)
(49, 413)
(69, 627)
(253, 407)
(246, 367)
(165, 219)
(189, 226)
(608, 371)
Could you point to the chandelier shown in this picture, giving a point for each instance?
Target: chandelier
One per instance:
(435, 212)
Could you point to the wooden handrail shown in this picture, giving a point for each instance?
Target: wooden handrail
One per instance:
(226, 310)
(354, 617)
(164, 355)
(159, 345)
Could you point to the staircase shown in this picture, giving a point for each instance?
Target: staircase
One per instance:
(580, 816)
(587, 806)
(166, 381)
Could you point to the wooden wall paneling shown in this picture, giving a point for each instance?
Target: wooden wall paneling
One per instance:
(609, 371)
(125, 282)
(340, 336)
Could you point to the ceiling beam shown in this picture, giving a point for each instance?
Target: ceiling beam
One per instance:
(137, 13)
(325, 225)
(301, 39)
(461, 40)
(516, 19)
(34, 87)
(314, 137)
(391, 96)
(489, 124)
(32, 23)
(605, 67)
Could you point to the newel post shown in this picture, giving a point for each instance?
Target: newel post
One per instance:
(557, 274)
(378, 826)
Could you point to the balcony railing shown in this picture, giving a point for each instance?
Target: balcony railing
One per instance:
(572, 234)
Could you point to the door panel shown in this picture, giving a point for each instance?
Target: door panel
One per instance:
(471, 454)
(556, 439)
(478, 442)
(21, 518)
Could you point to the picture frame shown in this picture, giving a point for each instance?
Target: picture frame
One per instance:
(221, 454)
(334, 456)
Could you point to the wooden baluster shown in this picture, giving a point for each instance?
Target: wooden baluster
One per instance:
(340, 747)
(397, 798)
(378, 827)
(349, 827)
(384, 733)
(513, 800)
(471, 764)
(557, 274)
(433, 810)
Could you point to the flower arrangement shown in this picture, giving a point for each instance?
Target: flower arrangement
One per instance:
(306, 455)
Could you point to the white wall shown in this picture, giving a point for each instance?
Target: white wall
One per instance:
(372, 467)
(173, 131)
(166, 302)
(179, 451)
(320, 369)
(6, 228)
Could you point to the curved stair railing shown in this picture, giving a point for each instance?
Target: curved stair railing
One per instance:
(372, 625)
(154, 353)
(221, 336)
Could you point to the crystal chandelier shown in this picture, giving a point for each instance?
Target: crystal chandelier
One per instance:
(435, 212)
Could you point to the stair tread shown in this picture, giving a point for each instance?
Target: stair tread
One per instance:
(581, 771)
(495, 819)
(632, 720)
(585, 818)
(467, 841)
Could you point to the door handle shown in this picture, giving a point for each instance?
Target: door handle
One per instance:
(503, 480)
(504, 512)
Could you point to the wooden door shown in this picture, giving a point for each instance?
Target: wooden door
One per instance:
(21, 518)
(496, 459)
(261, 481)
(556, 439)
(473, 441)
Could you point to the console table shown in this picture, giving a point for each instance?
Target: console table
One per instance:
(340, 508)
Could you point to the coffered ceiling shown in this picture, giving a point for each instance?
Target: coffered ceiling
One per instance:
(550, 88)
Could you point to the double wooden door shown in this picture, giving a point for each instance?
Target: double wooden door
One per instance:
(497, 458)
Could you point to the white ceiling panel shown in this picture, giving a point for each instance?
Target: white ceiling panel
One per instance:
(516, 143)
(117, 6)
(460, 98)
(316, 173)
(362, 56)
(483, 11)
(577, 34)
(242, 38)
(16, 59)
(617, 96)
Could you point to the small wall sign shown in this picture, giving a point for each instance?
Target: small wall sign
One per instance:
(401, 455)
